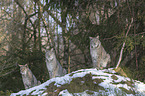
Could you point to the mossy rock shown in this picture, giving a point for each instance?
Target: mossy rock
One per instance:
(52, 89)
(80, 84)
(120, 71)
(77, 85)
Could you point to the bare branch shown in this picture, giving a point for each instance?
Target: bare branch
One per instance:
(121, 52)
(52, 15)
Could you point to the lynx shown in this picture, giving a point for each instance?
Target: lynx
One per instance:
(29, 79)
(53, 66)
(99, 56)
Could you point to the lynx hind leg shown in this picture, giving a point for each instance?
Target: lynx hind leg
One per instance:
(99, 67)
(26, 86)
(96, 65)
(64, 71)
(39, 83)
(109, 59)
(94, 62)
(50, 75)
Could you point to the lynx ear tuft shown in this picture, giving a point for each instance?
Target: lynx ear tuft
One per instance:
(26, 65)
(20, 65)
(91, 38)
(51, 50)
(97, 37)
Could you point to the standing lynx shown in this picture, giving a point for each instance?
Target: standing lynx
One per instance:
(53, 66)
(99, 56)
(29, 79)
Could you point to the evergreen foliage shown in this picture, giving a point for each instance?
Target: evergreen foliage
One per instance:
(28, 28)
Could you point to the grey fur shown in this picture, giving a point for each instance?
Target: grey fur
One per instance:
(99, 56)
(29, 79)
(53, 66)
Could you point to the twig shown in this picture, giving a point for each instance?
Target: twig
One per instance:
(121, 52)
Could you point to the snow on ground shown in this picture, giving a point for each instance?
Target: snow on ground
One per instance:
(113, 84)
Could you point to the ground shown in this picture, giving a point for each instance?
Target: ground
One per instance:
(88, 82)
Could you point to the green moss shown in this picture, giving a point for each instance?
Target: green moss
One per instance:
(86, 83)
(127, 91)
(122, 82)
(52, 89)
(101, 75)
(129, 83)
(89, 92)
(77, 85)
(108, 72)
(32, 91)
(6, 93)
(114, 77)
(71, 74)
(75, 73)
(97, 80)
(80, 84)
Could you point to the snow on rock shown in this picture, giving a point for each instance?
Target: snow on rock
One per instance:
(88, 82)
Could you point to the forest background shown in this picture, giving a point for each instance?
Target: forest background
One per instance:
(30, 27)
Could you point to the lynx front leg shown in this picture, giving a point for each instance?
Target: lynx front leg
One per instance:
(27, 86)
(94, 62)
(99, 64)
(50, 75)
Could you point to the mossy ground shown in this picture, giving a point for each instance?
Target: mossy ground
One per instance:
(77, 85)
(81, 84)
(89, 85)
(6, 93)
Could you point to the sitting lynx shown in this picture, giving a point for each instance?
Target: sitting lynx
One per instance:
(53, 66)
(29, 79)
(99, 56)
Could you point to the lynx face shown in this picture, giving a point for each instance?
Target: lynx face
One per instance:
(94, 42)
(49, 55)
(23, 69)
